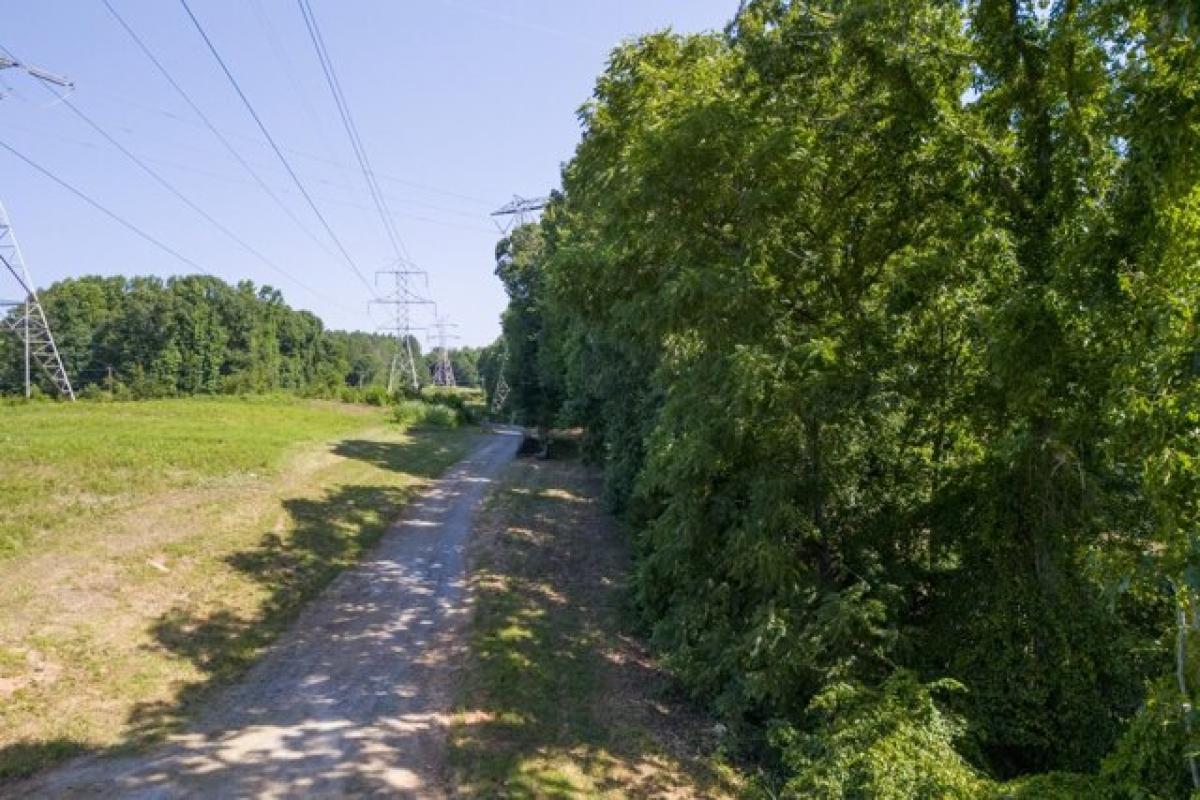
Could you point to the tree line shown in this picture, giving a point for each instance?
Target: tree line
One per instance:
(881, 319)
(149, 337)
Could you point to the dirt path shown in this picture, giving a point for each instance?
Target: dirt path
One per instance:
(354, 700)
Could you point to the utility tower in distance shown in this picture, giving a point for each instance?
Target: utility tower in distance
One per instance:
(518, 211)
(443, 370)
(401, 298)
(30, 324)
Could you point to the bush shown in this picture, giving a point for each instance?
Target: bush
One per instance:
(890, 743)
(374, 396)
(468, 404)
(417, 414)
(437, 416)
(93, 391)
(368, 395)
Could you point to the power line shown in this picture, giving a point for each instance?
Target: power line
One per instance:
(279, 153)
(170, 187)
(162, 112)
(226, 177)
(103, 210)
(213, 128)
(339, 99)
(160, 180)
(295, 83)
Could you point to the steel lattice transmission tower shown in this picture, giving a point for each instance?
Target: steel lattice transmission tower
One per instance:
(519, 211)
(401, 298)
(443, 370)
(30, 323)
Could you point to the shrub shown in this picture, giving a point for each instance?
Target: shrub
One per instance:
(890, 743)
(374, 396)
(467, 404)
(416, 414)
(438, 416)
(93, 391)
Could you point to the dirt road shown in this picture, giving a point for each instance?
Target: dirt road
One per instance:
(354, 700)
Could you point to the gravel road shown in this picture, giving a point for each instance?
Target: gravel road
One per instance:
(354, 700)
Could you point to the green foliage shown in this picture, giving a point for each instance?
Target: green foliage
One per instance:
(374, 396)
(1147, 754)
(466, 403)
(140, 338)
(418, 414)
(465, 361)
(1057, 786)
(889, 743)
(881, 319)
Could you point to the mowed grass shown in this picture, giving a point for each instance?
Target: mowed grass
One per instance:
(152, 550)
(558, 701)
(63, 462)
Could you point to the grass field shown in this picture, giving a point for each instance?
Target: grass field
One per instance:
(558, 701)
(149, 551)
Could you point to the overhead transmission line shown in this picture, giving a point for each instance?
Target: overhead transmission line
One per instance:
(170, 187)
(229, 178)
(214, 130)
(403, 297)
(278, 152)
(295, 83)
(360, 153)
(96, 204)
(162, 112)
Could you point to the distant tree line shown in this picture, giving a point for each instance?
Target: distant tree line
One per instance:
(153, 337)
(881, 319)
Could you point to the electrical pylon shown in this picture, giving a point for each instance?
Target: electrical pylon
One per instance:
(401, 299)
(30, 324)
(7, 62)
(443, 370)
(519, 211)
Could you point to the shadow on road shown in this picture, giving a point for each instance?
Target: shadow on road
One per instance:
(281, 739)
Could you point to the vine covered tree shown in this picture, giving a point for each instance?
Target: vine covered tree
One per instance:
(881, 319)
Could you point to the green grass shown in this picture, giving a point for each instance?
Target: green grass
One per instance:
(186, 536)
(558, 702)
(66, 461)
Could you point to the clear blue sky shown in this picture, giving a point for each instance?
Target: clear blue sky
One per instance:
(460, 104)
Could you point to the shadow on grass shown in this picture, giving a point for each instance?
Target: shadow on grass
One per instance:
(24, 758)
(325, 537)
(424, 457)
(560, 702)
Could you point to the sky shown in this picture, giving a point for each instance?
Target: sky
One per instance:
(460, 104)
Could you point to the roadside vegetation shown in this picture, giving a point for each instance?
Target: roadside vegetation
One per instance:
(881, 321)
(557, 698)
(146, 337)
(150, 550)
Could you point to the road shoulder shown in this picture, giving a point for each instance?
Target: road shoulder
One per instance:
(557, 699)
